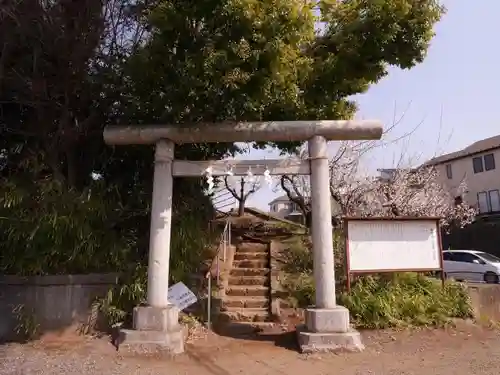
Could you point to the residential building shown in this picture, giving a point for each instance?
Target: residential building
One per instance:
(478, 166)
(386, 174)
(282, 207)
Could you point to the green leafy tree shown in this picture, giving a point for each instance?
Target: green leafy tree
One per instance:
(215, 60)
(68, 69)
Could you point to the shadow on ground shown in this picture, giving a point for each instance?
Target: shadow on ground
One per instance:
(269, 333)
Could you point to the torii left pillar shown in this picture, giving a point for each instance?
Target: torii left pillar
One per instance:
(327, 324)
(157, 324)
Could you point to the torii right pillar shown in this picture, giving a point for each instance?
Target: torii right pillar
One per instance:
(327, 326)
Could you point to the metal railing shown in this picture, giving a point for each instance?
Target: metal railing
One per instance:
(224, 243)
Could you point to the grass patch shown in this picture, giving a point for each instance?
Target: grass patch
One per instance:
(404, 300)
(297, 259)
(378, 301)
(407, 299)
(300, 289)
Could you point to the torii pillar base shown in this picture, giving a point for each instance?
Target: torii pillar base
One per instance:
(328, 330)
(155, 329)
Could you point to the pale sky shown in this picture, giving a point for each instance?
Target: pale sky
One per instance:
(451, 94)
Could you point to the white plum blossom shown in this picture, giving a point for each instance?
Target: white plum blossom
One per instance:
(407, 192)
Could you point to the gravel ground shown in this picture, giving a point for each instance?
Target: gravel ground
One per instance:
(464, 350)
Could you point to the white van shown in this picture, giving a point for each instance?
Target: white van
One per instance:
(471, 265)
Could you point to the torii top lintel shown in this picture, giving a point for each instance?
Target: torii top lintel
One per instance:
(277, 131)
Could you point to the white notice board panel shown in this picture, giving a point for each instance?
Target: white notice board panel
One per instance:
(392, 245)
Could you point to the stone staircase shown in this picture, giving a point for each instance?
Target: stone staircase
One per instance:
(247, 296)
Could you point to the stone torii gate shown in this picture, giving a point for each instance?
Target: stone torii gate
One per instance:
(327, 324)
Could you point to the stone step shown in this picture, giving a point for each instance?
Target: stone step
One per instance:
(254, 263)
(247, 315)
(247, 290)
(251, 256)
(244, 302)
(252, 247)
(248, 280)
(250, 271)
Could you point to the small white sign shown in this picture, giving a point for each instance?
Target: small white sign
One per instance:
(180, 295)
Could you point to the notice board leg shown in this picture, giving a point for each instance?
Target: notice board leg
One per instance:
(443, 277)
(348, 282)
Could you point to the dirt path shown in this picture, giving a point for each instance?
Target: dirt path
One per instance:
(465, 350)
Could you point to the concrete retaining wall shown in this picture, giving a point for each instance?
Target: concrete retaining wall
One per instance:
(50, 302)
(485, 300)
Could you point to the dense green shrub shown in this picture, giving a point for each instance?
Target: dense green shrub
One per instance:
(300, 288)
(118, 304)
(297, 257)
(189, 251)
(404, 300)
(378, 301)
(47, 229)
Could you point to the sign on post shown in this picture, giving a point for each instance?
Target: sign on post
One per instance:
(181, 296)
(378, 245)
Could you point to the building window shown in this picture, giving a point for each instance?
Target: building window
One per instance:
(494, 198)
(477, 164)
(489, 162)
(482, 201)
(488, 201)
(482, 163)
(449, 172)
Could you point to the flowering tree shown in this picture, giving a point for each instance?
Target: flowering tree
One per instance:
(406, 192)
(418, 192)
(347, 187)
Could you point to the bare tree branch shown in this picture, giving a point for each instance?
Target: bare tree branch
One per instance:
(246, 188)
(408, 192)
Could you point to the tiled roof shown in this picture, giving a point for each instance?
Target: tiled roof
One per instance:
(282, 198)
(475, 148)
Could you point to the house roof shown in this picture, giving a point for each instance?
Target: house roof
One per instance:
(475, 148)
(282, 198)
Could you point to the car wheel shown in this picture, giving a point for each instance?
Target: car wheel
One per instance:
(490, 278)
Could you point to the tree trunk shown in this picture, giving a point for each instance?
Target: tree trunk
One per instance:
(308, 219)
(241, 207)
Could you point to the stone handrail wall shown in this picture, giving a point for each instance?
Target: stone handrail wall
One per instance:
(485, 299)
